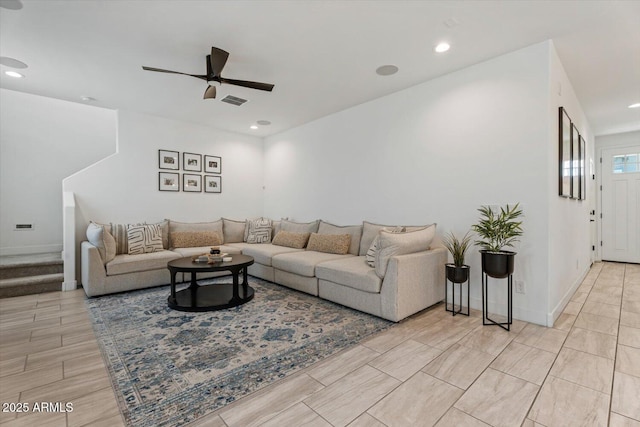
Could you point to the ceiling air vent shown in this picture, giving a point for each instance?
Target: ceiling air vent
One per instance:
(233, 100)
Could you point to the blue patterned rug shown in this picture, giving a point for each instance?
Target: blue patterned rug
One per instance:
(169, 368)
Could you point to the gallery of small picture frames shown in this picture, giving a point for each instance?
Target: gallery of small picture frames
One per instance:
(192, 166)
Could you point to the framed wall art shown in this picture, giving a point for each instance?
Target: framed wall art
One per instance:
(212, 164)
(564, 154)
(191, 183)
(168, 159)
(583, 169)
(192, 162)
(212, 184)
(575, 162)
(169, 181)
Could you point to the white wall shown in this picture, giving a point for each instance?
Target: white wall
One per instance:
(123, 188)
(626, 139)
(569, 228)
(43, 140)
(432, 153)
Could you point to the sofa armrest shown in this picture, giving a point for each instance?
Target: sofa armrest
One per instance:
(413, 282)
(93, 271)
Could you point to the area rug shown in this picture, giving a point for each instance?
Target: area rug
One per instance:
(169, 368)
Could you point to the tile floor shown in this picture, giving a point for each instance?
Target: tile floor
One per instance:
(432, 369)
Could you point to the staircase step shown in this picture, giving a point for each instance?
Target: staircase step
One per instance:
(18, 286)
(30, 265)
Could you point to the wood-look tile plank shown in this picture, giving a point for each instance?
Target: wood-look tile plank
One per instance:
(388, 339)
(548, 339)
(12, 366)
(366, 420)
(261, 407)
(498, 399)
(592, 342)
(597, 323)
(40, 419)
(528, 363)
(343, 401)
(298, 415)
(399, 408)
(456, 418)
(489, 339)
(404, 360)
(30, 379)
(459, 365)
(442, 335)
(624, 400)
(329, 371)
(31, 347)
(92, 407)
(68, 389)
(59, 354)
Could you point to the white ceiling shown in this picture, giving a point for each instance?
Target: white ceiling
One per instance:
(321, 55)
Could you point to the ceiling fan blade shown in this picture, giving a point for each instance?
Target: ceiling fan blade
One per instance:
(218, 60)
(160, 70)
(210, 92)
(253, 85)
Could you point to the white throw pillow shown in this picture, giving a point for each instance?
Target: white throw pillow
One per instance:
(259, 231)
(99, 237)
(143, 239)
(392, 244)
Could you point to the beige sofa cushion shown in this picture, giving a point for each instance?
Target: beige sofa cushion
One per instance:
(263, 254)
(177, 226)
(194, 239)
(355, 231)
(303, 263)
(123, 264)
(329, 243)
(291, 240)
(391, 244)
(233, 230)
(352, 272)
(299, 227)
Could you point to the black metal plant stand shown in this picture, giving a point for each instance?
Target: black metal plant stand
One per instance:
(453, 296)
(486, 320)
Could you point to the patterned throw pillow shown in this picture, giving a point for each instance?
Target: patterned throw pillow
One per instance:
(291, 240)
(329, 243)
(195, 239)
(143, 239)
(259, 230)
(370, 257)
(120, 234)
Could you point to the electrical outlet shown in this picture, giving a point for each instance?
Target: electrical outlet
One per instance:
(520, 286)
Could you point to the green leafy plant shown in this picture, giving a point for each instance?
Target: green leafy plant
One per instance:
(498, 230)
(457, 247)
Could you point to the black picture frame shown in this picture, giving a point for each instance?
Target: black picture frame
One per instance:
(564, 154)
(168, 181)
(191, 183)
(192, 162)
(212, 184)
(575, 162)
(168, 159)
(583, 169)
(213, 164)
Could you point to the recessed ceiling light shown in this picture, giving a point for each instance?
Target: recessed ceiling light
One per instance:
(11, 62)
(442, 47)
(14, 74)
(386, 70)
(263, 122)
(636, 105)
(254, 127)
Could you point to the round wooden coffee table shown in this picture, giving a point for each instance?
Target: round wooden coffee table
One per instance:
(210, 297)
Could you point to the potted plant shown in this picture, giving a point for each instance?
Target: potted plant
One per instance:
(498, 230)
(458, 271)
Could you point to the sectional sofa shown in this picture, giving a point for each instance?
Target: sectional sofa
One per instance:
(388, 271)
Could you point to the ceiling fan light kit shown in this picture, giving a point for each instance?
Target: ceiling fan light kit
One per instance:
(215, 63)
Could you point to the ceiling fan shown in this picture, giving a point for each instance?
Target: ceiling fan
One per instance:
(215, 63)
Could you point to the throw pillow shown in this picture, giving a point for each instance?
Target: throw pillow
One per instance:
(195, 239)
(300, 227)
(392, 244)
(259, 231)
(176, 226)
(355, 231)
(370, 257)
(99, 237)
(164, 226)
(143, 239)
(330, 243)
(291, 240)
(119, 233)
(233, 230)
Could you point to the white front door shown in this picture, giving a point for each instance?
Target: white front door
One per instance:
(620, 204)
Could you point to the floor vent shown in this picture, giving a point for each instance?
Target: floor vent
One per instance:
(229, 99)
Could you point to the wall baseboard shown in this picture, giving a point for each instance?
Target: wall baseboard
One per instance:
(557, 310)
(70, 286)
(28, 250)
